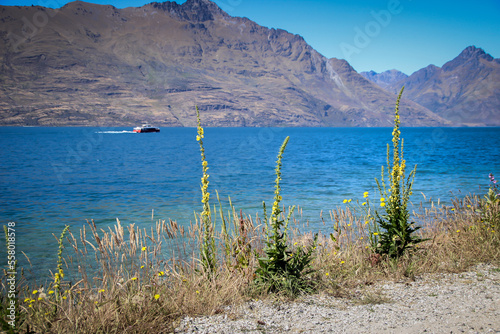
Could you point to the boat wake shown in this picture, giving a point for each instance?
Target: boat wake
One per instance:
(115, 132)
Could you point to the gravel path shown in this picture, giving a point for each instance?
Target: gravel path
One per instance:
(434, 303)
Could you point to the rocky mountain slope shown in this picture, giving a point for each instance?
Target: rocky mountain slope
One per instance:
(466, 90)
(87, 64)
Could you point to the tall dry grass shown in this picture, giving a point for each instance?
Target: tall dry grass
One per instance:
(131, 280)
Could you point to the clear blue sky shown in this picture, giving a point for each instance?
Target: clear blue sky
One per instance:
(371, 34)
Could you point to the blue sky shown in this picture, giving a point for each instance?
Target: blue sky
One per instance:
(371, 34)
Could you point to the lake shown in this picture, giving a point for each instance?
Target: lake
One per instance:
(52, 177)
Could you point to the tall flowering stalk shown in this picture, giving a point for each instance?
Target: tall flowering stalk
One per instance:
(208, 255)
(59, 275)
(282, 269)
(276, 222)
(396, 232)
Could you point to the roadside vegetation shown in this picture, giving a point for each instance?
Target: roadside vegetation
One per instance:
(131, 280)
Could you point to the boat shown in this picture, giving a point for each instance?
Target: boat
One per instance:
(146, 128)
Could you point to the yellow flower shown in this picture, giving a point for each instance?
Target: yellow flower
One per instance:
(382, 199)
(133, 278)
(51, 292)
(361, 238)
(365, 194)
(326, 274)
(144, 248)
(197, 291)
(157, 296)
(375, 233)
(142, 267)
(35, 292)
(382, 204)
(349, 201)
(342, 262)
(458, 231)
(161, 273)
(40, 298)
(345, 201)
(102, 290)
(364, 203)
(64, 297)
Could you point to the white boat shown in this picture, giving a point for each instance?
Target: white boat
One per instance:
(146, 128)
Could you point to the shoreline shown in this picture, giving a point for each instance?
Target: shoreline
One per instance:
(467, 302)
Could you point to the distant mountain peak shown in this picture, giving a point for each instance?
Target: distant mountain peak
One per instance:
(386, 78)
(469, 54)
(464, 90)
(471, 51)
(201, 5)
(191, 10)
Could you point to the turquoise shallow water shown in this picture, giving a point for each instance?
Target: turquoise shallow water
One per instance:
(50, 177)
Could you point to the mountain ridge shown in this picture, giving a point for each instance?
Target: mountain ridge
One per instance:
(94, 64)
(465, 90)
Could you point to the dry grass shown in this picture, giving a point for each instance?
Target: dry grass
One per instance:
(128, 280)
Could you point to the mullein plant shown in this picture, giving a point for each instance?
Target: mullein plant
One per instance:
(59, 275)
(394, 234)
(208, 252)
(282, 270)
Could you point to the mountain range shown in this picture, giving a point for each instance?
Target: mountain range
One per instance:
(88, 64)
(465, 91)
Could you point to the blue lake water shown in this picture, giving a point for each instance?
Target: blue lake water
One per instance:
(52, 177)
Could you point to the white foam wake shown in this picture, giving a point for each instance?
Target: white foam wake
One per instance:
(115, 132)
